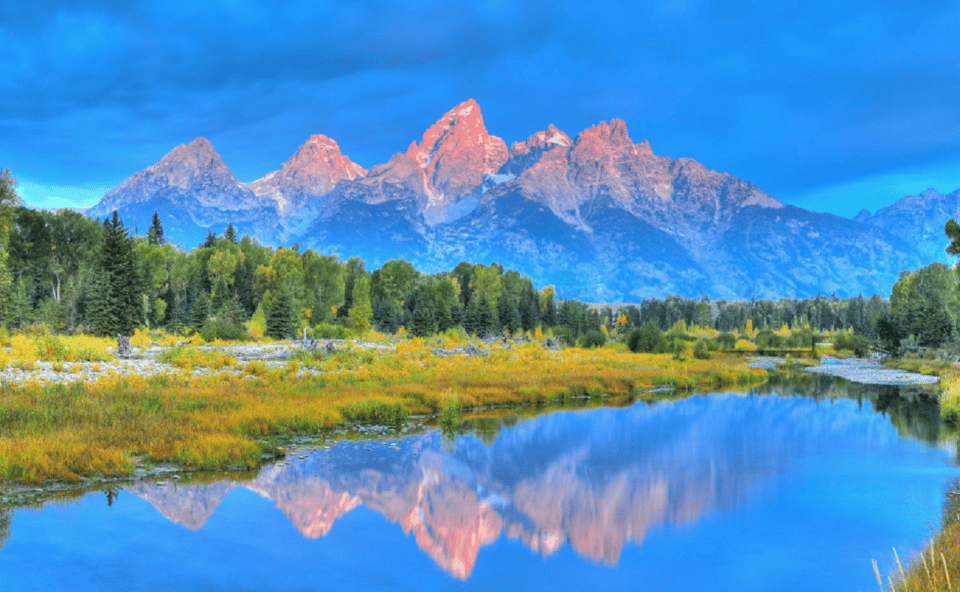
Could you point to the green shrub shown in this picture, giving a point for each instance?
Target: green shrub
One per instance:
(648, 339)
(331, 331)
(950, 412)
(222, 329)
(51, 348)
(858, 344)
(800, 339)
(593, 338)
(767, 339)
(727, 340)
(566, 334)
(450, 414)
(700, 351)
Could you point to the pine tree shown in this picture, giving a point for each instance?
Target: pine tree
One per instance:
(528, 308)
(230, 233)
(155, 232)
(98, 305)
(423, 322)
(508, 314)
(280, 316)
(115, 304)
(387, 316)
(200, 310)
(481, 317)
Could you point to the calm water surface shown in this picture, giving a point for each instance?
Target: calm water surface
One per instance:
(794, 487)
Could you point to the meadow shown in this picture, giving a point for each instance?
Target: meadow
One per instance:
(240, 413)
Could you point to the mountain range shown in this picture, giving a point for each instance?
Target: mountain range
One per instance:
(599, 216)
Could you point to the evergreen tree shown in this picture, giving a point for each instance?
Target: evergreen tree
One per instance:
(481, 317)
(116, 302)
(230, 233)
(353, 270)
(200, 310)
(280, 316)
(509, 316)
(952, 230)
(423, 321)
(155, 232)
(648, 339)
(548, 306)
(528, 308)
(387, 316)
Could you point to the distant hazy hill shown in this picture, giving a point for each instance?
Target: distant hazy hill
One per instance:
(599, 216)
(919, 220)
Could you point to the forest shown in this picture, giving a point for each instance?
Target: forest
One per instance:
(65, 273)
(73, 274)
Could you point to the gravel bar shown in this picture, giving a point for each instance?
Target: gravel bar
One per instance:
(868, 372)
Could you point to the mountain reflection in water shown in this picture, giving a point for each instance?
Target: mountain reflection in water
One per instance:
(593, 480)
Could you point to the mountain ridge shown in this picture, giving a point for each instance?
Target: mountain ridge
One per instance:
(599, 216)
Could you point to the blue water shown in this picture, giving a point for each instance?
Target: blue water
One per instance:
(718, 492)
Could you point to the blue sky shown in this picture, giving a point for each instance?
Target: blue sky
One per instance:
(832, 106)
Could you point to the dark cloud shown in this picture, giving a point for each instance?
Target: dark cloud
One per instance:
(793, 96)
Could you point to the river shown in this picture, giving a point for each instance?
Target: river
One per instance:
(795, 486)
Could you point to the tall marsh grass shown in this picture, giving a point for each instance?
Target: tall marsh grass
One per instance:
(227, 419)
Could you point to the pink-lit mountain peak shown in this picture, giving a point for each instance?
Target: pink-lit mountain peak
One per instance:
(320, 156)
(605, 137)
(314, 169)
(322, 150)
(457, 151)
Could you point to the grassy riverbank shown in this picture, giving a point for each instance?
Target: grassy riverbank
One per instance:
(233, 416)
(937, 568)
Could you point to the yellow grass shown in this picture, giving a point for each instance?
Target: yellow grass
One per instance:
(937, 569)
(229, 420)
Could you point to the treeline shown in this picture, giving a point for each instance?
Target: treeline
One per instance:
(925, 307)
(74, 274)
(924, 311)
(819, 313)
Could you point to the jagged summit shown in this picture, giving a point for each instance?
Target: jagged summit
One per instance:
(630, 222)
(313, 170)
(457, 151)
(525, 154)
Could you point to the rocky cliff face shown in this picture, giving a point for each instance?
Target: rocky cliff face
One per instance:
(601, 217)
(441, 175)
